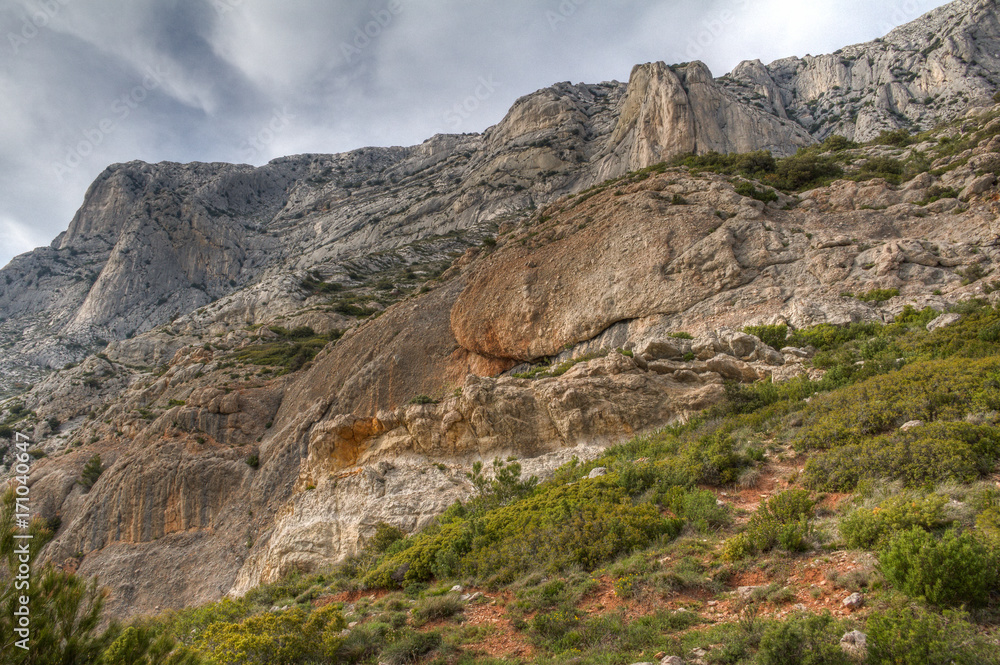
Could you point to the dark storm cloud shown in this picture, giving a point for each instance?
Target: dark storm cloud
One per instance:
(86, 83)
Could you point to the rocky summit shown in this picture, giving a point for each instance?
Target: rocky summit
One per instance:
(234, 374)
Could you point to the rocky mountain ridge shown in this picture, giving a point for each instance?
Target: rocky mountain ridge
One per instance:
(297, 349)
(138, 252)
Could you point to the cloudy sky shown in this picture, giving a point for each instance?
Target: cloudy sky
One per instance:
(87, 83)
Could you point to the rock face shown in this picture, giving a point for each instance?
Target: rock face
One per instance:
(292, 353)
(668, 112)
(920, 74)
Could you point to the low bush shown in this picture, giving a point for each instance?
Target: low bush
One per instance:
(898, 138)
(747, 189)
(582, 524)
(915, 636)
(410, 647)
(878, 295)
(871, 528)
(953, 570)
(435, 608)
(931, 390)
(774, 336)
(783, 521)
(803, 639)
(934, 453)
(291, 636)
(826, 336)
(700, 508)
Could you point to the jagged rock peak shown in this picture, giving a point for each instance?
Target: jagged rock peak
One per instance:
(669, 111)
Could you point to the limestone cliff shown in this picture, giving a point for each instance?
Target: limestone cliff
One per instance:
(918, 75)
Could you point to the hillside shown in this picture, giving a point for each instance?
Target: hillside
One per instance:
(772, 326)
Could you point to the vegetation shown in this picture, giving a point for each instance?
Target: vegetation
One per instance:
(596, 569)
(804, 170)
(290, 351)
(774, 336)
(92, 470)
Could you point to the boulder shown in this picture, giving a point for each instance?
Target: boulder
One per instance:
(943, 321)
(855, 644)
(854, 602)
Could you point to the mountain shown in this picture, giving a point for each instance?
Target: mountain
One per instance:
(270, 361)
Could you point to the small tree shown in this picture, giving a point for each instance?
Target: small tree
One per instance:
(65, 608)
(92, 470)
(504, 487)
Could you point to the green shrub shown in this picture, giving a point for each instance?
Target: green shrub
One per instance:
(92, 470)
(886, 167)
(582, 524)
(878, 295)
(188, 624)
(504, 487)
(791, 506)
(803, 639)
(938, 192)
(766, 195)
(411, 647)
(713, 459)
(954, 570)
(934, 453)
(826, 336)
(898, 138)
(291, 636)
(384, 537)
(774, 336)
(929, 390)
(364, 642)
(871, 528)
(314, 285)
(914, 636)
(700, 508)
(973, 273)
(836, 143)
(423, 399)
(142, 645)
(435, 608)
(783, 521)
(803, 170)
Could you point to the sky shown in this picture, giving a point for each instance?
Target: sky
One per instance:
(88, 83)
